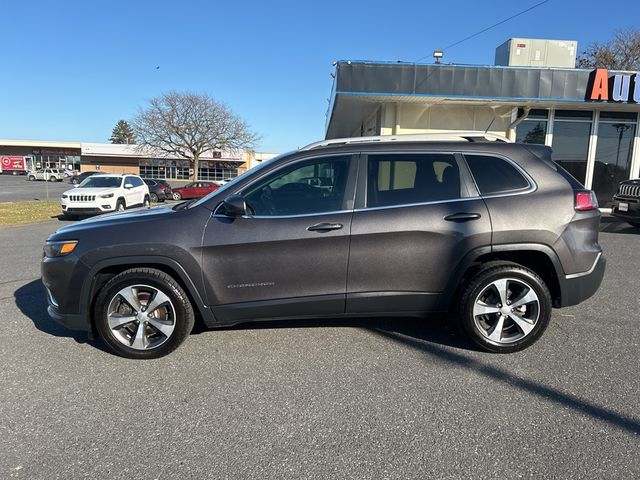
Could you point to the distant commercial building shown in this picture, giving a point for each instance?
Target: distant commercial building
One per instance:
(118, 158)
(589, 118)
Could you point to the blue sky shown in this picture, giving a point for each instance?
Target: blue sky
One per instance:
(71, 69)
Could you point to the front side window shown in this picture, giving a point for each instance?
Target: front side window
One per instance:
(402, 179)
(315, 186)
(495, 175)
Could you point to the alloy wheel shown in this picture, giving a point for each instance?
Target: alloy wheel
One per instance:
(506, 310)
(141, 317)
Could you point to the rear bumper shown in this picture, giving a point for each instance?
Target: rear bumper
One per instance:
(633, 208)
(578, 287)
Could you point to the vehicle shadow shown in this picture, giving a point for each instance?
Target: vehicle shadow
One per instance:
(437, 330)
(31, 299)
(609, 224)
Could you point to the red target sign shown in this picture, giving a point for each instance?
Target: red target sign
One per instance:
(12, 163)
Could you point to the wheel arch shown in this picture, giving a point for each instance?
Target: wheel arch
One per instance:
(106, 269)
(537, 257)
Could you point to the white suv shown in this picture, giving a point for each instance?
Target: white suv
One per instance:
(48, 174)
(102, 193)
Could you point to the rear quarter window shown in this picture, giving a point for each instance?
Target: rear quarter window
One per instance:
(494, 175)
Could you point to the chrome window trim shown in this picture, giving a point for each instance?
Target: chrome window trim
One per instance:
(435, 202)
(335, 212)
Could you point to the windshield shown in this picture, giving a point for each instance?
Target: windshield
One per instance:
(100, 182)
(230, 185)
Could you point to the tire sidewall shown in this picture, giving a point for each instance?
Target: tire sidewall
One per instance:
(153, 198)
(480, 282)
(183, 309)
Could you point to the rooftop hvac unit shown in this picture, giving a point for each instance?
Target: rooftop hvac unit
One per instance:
(532, 52)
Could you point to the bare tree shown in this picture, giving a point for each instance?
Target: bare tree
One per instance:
(189, 124)
(621, 53)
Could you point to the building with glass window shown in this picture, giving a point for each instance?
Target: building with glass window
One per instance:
(589, 118)
(117, 158)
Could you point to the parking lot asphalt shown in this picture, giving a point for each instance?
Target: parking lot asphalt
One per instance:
(365, 399)
(17, 187)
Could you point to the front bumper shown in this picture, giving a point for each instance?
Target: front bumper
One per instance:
(578, 287)
(633, 208)
(63, 278)
(87, 208)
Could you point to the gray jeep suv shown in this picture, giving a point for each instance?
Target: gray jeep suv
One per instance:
(490, 230)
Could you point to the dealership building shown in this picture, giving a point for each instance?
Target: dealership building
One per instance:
(533, 95)
(118, 158)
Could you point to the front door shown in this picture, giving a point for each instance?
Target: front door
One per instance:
(413, 225)
(289, 256)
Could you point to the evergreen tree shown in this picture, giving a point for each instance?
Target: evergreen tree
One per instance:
(122, 133)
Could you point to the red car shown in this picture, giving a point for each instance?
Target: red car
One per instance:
(194, 190)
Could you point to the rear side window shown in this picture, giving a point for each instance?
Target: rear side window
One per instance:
(495, 175)
(402, 179)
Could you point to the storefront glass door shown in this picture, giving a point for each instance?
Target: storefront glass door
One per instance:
(571, 134)
(614, 151)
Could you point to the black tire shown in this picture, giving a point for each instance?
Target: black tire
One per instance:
(53, 179)
(519, 278)
(68, 216)
(153, 197)
(177, 196)
(31, 178)
(634, 224)
(146, 202)
(121, 206)
(183, 321)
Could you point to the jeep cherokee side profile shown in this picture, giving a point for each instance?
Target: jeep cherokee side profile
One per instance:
(491, 230)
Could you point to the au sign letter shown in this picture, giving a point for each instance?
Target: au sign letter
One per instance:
(600, 90)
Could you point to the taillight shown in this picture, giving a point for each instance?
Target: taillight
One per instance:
(586, 201)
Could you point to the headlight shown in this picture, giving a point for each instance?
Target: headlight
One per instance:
(59, 249)
(65, 196)
(107, 195)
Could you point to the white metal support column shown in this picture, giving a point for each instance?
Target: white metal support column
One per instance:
(593, 144)
(635, 159)
(548, 139)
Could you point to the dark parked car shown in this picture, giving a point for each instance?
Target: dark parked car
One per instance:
(493, 231)
(159, 190)
(626, 202)
(194, 190)
(77, 179)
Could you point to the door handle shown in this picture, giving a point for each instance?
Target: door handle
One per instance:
(324, 227)
(462, 217)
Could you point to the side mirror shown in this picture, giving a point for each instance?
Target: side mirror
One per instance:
(234, 206)
(128, 185)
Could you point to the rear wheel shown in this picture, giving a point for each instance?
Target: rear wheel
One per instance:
(143, 313)
(153, 197)
(505, 308)
(31, 178)
(53, 179)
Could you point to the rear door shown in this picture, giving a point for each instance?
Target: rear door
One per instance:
(289, 257)
(416, 217)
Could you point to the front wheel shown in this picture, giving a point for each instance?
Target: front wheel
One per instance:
(31, 178)
(143, 313)
(120, 206)
(177, 196)
(505, 308)
(145, 202)
(53, 179)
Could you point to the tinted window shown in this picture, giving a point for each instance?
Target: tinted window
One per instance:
(401, 179)
(149, 182)
(311, 187)
(101, 182)
(495, 175)
(137, 182)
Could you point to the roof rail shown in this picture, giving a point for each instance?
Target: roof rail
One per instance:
(413, 137)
